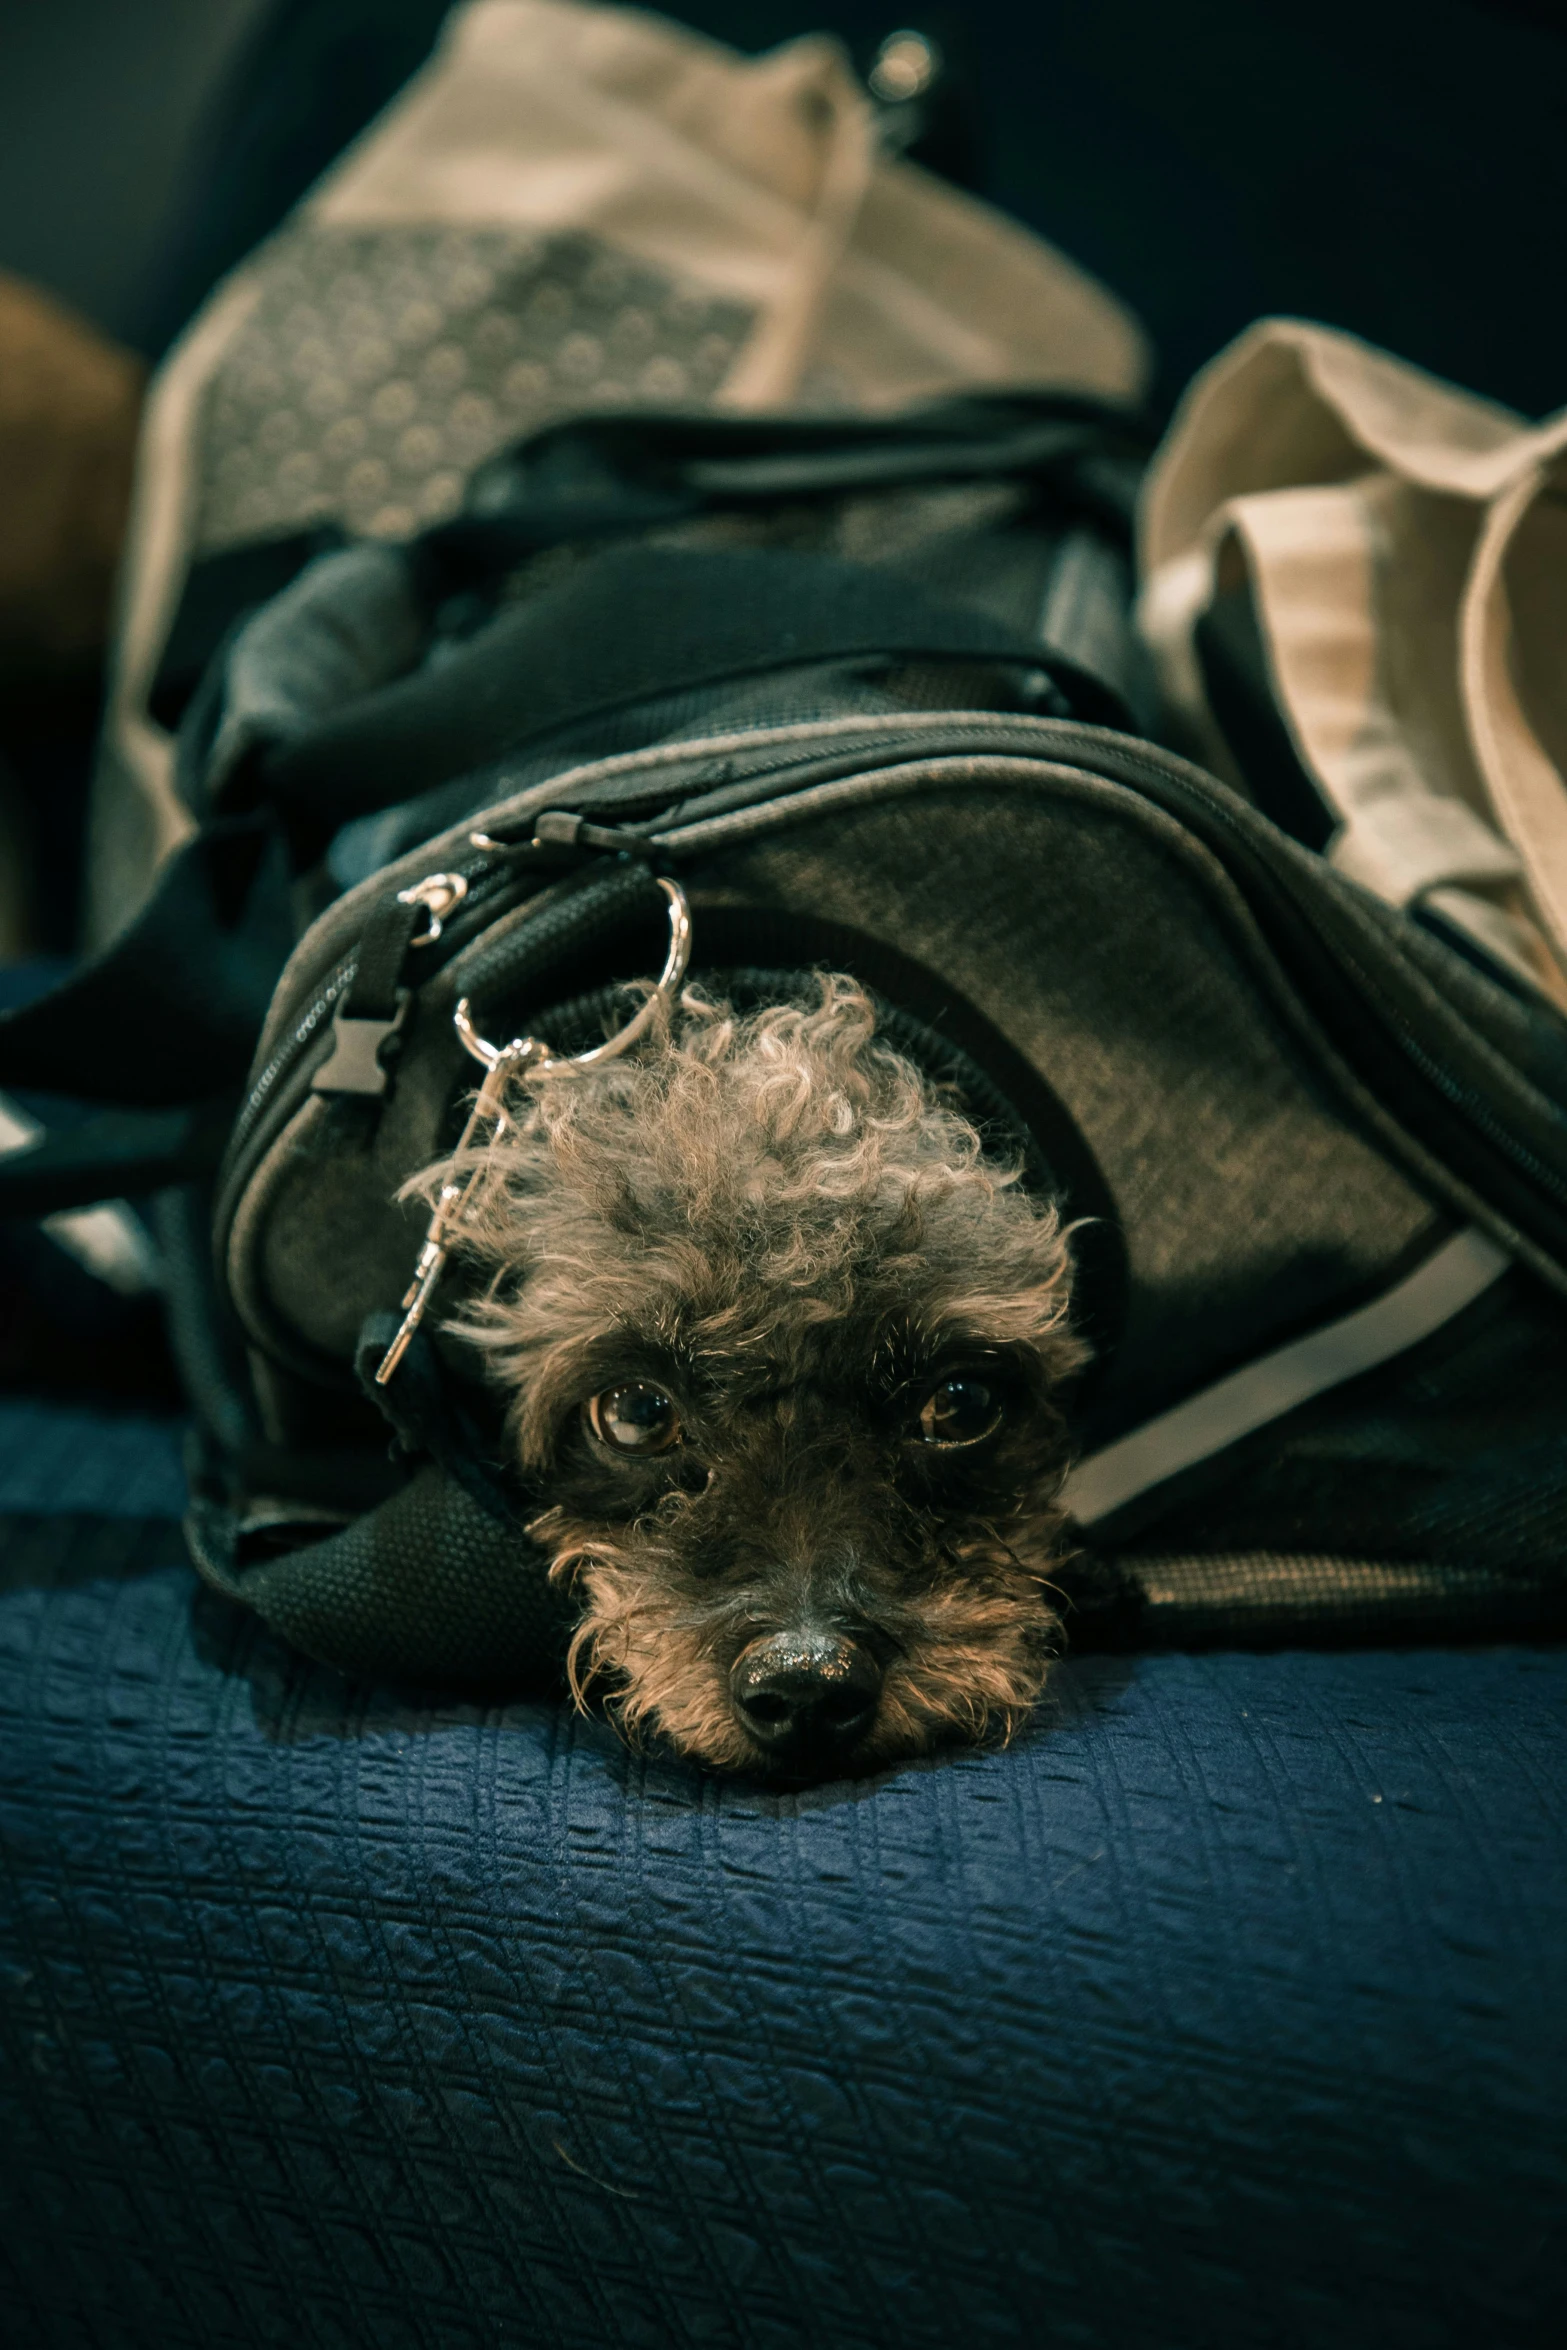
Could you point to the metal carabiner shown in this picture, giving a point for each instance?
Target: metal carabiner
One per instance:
(438, 893)
(676, 964)
(501, 1063)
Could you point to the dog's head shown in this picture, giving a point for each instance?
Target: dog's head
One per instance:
(781, 1348)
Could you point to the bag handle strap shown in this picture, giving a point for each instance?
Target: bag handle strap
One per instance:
(638, 624)
(170, 1012)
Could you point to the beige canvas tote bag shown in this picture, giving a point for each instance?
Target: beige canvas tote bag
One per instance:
(1405, 545)
(569, 208)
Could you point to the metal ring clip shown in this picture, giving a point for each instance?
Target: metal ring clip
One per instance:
(531, 1054)
(676, 964)
(525, 1055)
(438, 893)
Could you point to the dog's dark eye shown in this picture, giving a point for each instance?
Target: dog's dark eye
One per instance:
(635, 1419)
(959, 1411)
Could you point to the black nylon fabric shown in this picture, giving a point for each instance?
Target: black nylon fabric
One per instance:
(1123, 1602)
(1252, 1200)
(632, 624)
(1413, 1501)
(114, 1153)
(171, 1011)
(170, 1014)
(590, 476)
(1123, 950)
(1453, 1454)
(1425, 1500)
(431, 1587)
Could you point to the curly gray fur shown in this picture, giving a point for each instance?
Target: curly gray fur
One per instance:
(778, 1222)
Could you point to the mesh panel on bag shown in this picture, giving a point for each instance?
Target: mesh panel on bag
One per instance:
(429, 1588)
(1277, 1599)
(1237, 1600)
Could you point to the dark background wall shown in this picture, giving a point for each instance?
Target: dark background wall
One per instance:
(99, 100)
(1396, 166)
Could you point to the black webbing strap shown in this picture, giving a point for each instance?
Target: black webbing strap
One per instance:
(378, 973)
(373, 1009)
(594, 476)
(171, 1011)
(169, 1015)
(160, 1029)
(93, 1038)
(633, 625)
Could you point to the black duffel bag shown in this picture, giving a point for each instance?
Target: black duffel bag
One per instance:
(869, 694)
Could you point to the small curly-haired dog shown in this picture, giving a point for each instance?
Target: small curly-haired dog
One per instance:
(781, 1346)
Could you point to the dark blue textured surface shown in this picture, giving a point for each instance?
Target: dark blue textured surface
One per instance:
(1227, 2009)
(61, 1456)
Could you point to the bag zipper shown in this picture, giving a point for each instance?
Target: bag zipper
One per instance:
(493, 878)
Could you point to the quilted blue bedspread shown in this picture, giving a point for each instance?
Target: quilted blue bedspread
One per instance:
(1227, 2008)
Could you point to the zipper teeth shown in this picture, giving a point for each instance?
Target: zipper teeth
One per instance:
(1463, 1098)
(1451, 1088)
(757, 819)
(1443, 1081)
(485, 883)
(341, 979)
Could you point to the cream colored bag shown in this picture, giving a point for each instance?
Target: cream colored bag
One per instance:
(1405, 545)
(568, 208)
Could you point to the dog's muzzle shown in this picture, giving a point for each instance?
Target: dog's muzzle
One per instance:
(807, 1698)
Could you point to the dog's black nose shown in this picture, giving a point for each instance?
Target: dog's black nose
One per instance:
(806, 1694)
